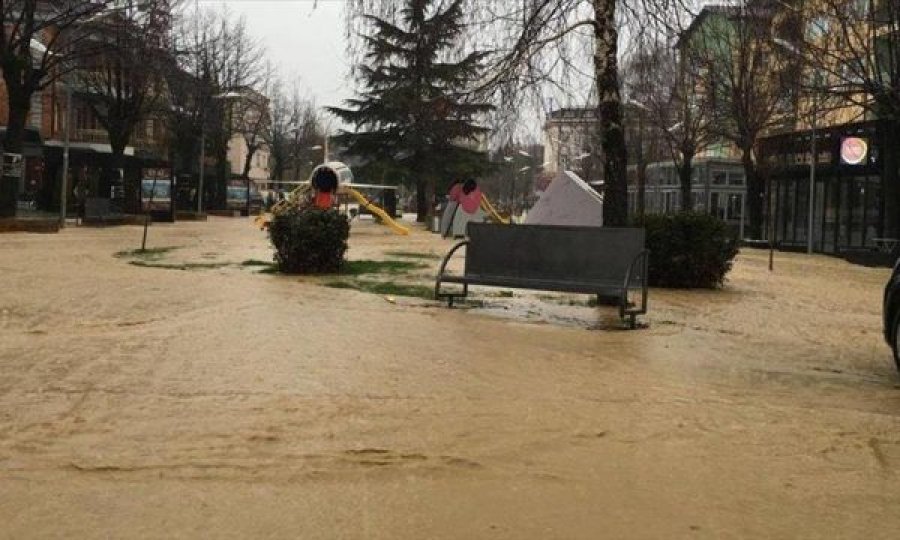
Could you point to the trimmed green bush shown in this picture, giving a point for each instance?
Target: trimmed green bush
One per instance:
(688, 250)
(309, 241)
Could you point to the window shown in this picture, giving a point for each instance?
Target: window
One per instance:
(735, 206)
(699, 202)
(719, 177)
(736, 178)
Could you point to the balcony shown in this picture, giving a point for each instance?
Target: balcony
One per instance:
(99, 136)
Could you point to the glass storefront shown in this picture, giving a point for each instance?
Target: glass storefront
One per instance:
(847, 203)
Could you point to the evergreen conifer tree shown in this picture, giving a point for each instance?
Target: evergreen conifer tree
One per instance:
(414, 116)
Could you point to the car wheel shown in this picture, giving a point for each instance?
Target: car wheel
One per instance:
(895, 343)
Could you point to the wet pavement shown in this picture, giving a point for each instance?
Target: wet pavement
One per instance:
(202, 398)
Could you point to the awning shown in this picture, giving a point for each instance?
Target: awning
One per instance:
(32, 145)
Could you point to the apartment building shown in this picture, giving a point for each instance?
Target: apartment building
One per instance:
(835, 180)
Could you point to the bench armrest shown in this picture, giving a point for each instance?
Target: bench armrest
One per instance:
(437, 284)
(642, 259)
(450, 254)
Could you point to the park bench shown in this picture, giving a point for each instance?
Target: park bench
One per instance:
(100, 210)
(605, 261)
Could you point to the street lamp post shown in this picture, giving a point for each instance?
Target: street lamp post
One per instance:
(64, 188)
(202, 163)
(813, 158)
(814, 161)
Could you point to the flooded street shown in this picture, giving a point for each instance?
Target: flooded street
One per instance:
(202, 398)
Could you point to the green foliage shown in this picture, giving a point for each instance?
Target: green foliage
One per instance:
(149, 254)
(413, 255)
(384, 287)
(180, 266)
(355, 268)
(414, 107)
(688, 250)
(256, 262)
(309, 241)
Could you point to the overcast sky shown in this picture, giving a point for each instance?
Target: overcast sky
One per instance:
(305, 38)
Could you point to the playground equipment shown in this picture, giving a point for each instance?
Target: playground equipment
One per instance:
(387, 220)
(326, 184)
(466, 203)
(491, 211)
(568, 200)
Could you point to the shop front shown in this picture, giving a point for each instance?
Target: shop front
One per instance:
(847, 187)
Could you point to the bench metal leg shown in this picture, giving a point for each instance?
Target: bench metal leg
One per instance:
(451, 296)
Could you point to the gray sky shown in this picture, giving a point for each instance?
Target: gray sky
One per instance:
(306, 42)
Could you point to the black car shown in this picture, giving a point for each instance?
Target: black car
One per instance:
(891, 312)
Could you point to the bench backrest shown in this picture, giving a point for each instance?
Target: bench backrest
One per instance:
(96, 206)
(552, 252)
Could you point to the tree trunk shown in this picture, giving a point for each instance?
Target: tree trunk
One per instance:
(684, 179)
(755, 193)
(640, 196)
(421, 204)
(641, 189)
(612, 134)
(430, 189)
(110, 175)
(14, 141)
(223, 175)
(248, 163)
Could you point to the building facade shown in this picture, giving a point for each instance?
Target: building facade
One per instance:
(569, 143)
(849, 207)
(718, 186)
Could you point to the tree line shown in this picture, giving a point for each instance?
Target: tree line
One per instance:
(668, 79)
(197, 76)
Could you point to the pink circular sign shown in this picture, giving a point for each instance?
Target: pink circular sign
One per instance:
(854, 150)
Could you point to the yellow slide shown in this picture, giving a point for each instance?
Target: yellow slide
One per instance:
(371, 207)
(491, 211)
(262, 220)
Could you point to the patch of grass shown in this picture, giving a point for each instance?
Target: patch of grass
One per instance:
(266, 267)
(179, 266)
(365, 266)
(256, 262)
(384, 287)
(505, 294)
(563, 301)
(413, 255)
(150, 254)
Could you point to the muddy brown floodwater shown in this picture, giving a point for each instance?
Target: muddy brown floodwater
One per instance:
(208, 400)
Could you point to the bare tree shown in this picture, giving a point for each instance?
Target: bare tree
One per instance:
(541, 42)
(251, 120)
(293, 133)
(216, 58)
(744, 85)
(850, 55)
(122, 81)
(663, 90)
(38, 39)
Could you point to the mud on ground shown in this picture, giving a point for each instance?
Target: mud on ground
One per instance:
(191, 395)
